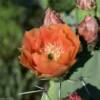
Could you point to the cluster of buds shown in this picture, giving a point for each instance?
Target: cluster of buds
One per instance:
(88, 28)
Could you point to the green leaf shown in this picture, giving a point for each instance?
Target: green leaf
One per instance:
(80, 14)
(98, 8)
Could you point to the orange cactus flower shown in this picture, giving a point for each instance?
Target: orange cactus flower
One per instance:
(49, 50)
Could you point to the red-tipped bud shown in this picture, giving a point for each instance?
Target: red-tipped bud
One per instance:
(88, 29)
(52, 17)
(73, 96)
(86, 4)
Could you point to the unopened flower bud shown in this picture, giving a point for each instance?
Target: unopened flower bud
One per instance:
(86, 4)
(88, 29)
(52, 17)
(73, 96)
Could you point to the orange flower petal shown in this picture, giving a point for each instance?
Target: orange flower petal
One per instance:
(46, 66)
(32, 40)
(26, 59)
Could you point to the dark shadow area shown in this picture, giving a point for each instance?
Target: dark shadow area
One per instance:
(94, 92)
(82, 58)
(97, 47)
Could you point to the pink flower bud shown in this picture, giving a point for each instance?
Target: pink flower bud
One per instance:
(88, 29)
(73, 96)
(52, 17)
(86, 4)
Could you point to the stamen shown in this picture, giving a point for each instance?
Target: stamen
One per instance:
(50, 56)
(53, 51)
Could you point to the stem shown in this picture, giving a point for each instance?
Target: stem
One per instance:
(45, 94)
(42, 96)
(48, 96)
(60, 90)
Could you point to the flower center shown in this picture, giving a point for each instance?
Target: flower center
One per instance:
(53, 51)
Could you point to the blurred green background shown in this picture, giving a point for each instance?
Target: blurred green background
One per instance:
(17, 16)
